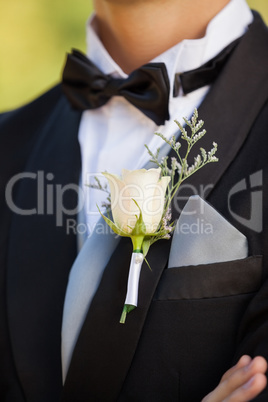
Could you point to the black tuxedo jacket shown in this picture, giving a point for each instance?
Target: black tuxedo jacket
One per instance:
(192, 323)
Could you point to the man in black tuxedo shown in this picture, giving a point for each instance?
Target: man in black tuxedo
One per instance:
(171, 348)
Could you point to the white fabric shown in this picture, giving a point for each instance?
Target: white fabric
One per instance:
(203, 236)
(133, 279)
(84, 278)
(113, 136)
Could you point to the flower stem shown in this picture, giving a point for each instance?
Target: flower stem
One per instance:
(137, 243)
(127, 309)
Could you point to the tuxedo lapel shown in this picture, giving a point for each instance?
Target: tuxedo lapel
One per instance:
(229, 111)
(105, 348)
(41, 254)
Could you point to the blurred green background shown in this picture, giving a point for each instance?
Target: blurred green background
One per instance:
(35, 35)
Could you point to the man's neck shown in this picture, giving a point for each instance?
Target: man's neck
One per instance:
(136, 31)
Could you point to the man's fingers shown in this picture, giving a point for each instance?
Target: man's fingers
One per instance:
(242, 362)
(240, 377)
(249, 390)
(242, 382)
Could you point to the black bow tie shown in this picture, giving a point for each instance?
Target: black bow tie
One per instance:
(87, 87)
(147, 88)
(204, 75)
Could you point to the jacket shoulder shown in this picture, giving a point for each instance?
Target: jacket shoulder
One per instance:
(19, 130)
(32, 112)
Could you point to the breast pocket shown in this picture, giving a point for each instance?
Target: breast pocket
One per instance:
(211, 280)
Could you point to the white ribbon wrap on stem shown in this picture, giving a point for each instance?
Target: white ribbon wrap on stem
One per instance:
(133, 279)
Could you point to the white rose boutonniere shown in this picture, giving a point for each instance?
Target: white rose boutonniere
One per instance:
(147, 189)
(137, 204)
(140, 200)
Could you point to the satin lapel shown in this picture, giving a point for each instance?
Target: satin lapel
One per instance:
(41, 254)
(229, 111)
(105, 348)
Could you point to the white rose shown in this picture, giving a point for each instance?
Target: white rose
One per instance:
(143, 186)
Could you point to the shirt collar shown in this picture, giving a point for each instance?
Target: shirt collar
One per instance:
(229, 24)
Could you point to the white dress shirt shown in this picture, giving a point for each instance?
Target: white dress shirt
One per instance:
(113, 136)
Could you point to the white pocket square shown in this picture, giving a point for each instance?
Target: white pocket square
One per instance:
(203, 236)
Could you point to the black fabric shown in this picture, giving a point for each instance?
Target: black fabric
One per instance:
(211, 280)
(147, 88)
(51, 246)
(204, 75)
